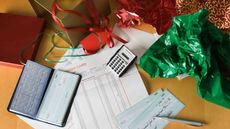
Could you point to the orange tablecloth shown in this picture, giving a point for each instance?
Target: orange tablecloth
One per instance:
(215, 116)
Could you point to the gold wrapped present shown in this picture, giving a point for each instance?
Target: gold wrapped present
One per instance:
(43, 8)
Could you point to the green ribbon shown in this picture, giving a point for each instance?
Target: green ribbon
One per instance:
(54, 46)
(26, 48)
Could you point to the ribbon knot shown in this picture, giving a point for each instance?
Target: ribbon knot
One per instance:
(99, 23)
(127, 19)
(91, 29)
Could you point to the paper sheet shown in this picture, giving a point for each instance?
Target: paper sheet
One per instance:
(142, 115)
(182, 76)
(102, 95)
(138, 41)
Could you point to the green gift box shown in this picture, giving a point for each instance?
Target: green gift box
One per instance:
(43, 8)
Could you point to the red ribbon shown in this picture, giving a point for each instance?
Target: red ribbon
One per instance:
(158, 13)
(127, 19)
(99, 23)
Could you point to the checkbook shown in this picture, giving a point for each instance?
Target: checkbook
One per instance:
(44, 94)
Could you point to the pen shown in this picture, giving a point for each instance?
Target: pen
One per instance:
(193, 123)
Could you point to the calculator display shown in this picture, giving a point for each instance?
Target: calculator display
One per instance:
(121, 60)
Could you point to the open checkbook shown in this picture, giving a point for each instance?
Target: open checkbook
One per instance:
(44, 94)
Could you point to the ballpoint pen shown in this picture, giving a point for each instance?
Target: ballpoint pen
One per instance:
(189, 122)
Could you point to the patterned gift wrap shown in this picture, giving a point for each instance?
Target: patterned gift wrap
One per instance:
(219, 10)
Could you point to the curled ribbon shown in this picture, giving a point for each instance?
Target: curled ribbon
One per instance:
(55, 46)
(127, 19)
(99, 23)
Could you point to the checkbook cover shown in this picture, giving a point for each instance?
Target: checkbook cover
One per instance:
(32, 87)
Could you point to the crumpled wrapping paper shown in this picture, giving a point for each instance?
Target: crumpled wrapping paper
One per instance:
(194, 46)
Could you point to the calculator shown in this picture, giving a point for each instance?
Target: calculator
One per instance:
(121, 60)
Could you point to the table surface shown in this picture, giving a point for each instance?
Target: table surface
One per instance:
(196, 108)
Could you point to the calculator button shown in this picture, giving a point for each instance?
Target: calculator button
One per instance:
(121, 60)
(117, 63)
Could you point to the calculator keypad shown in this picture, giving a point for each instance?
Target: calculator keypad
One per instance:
(121, 60)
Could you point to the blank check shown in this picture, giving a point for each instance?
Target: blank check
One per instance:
(143, 114)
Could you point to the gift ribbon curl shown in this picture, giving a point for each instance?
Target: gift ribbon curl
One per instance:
(55, 46)
(127, 19)
(158, 13)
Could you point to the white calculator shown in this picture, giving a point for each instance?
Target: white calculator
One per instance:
(121, 60)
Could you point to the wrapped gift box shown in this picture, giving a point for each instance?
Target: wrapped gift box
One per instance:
(43, 8)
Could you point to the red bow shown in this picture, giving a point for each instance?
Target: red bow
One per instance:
(127, 19)
(158, 13)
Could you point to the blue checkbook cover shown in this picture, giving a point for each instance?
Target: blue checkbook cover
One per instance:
(34, 89)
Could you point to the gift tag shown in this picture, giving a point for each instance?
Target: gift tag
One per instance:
(121, 60)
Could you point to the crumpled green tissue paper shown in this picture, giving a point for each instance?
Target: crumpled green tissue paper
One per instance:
(194, 46)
